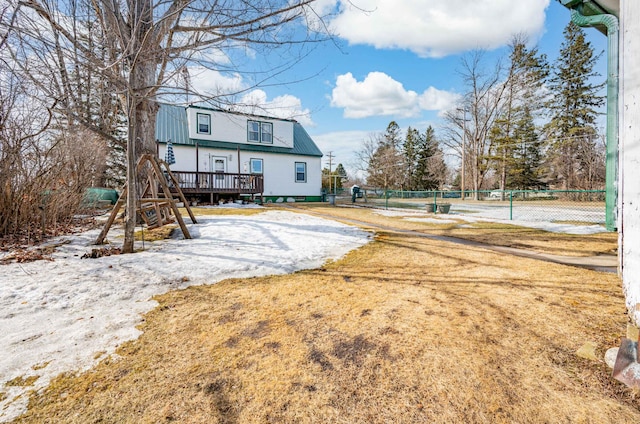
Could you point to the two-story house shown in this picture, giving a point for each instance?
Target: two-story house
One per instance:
(228, 155)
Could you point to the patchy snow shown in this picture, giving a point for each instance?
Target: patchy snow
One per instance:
(67, 314)
(430, 220)
(531, 222)
(532, 216)
(233, 205)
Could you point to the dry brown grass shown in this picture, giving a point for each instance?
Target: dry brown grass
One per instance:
(155, 234)
(403, 330)
(539, 240)
(485, 232)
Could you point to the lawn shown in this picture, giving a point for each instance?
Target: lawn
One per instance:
(405, 329)
(493, 233)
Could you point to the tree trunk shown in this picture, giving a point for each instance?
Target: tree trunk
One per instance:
(141, 108)
(132, 186)
(146, 110)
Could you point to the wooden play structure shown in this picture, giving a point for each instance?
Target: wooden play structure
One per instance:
(154, 207)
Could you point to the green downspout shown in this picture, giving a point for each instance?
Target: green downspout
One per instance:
(610, 22)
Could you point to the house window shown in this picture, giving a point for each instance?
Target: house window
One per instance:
(204, 123)
(260, 132)
(301, 172)
(254, 131)
(256, 166)
(266, 133)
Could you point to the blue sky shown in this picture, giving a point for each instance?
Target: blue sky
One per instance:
(399, 61)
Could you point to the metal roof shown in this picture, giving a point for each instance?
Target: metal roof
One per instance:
(172, 124)
(302, 142)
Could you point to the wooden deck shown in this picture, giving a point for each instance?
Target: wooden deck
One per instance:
(219, 183)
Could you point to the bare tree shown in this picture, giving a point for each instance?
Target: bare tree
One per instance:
(592, 157)
(43, 171)
(467, 129)
(139, 47)
(386, 168)
(365, 154)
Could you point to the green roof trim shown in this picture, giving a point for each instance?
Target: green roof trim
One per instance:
(171, 124)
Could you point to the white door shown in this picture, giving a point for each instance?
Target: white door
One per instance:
(218, 164)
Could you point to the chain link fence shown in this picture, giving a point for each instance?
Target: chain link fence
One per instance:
(577, 207)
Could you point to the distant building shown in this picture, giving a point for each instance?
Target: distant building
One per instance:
(227, 155)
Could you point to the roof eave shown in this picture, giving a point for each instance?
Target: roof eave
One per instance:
(594, 7)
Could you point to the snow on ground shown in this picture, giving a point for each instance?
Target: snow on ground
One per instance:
(67, 314)
(429, 220)
(532, 217)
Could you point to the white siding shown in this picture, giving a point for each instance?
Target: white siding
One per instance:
(280, 174)
(279, 170)
(629, 198)
(185, 157)
(233, 128)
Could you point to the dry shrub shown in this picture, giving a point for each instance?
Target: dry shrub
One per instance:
(43, 179)
(46, 163)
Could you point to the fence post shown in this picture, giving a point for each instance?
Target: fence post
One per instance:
(511, 205)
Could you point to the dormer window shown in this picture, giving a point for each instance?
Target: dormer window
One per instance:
(203, 123)
(260, 132)
(254, 131)
(266, 133)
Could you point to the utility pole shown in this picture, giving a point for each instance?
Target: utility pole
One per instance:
(330, 156)
(464, 147)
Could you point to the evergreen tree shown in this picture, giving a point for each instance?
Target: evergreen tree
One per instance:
(90, 100)
(430, 167)
(410, 150)
(502, 147)
(386, 165)
(572, 106)
(341, 172)
(392, 136)
(527, 73)
(334, 179)
(526, 170)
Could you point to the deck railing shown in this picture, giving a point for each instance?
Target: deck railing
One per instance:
(219, 182)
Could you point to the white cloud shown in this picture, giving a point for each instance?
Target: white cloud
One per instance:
(207, 83)
(440, 100)
(210, 82)
(380, 95)
(324, 7)
(344, 146)
(214, 55)
(285, 106)
(435, 28)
